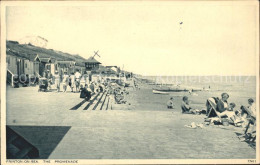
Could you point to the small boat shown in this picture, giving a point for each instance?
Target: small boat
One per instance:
(176, 89)
(160, 92)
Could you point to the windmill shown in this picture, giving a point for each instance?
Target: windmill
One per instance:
(91, 63)
(96, 54)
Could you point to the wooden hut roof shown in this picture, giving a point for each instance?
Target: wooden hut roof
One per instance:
(46, 60)
(92, 60)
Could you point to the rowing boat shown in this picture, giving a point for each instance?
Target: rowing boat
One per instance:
(160, 92)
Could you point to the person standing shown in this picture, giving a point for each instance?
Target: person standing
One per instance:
(65, 81)
(57, 80)
(77, 80)
(72, 81)
(92, 87)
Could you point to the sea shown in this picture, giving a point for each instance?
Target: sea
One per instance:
(239, 88)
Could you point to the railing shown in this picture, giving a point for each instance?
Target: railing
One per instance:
(10, 78)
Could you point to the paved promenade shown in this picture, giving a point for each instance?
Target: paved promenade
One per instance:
(122, 134)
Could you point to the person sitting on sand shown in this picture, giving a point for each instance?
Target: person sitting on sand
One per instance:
(230, 113)
(225, 110)
(170, 103)
(185, 105)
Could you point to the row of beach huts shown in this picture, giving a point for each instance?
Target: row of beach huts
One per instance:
(26, 60)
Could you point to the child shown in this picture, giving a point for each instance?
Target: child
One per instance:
(170, 103)
(185, 105)
(231, 114)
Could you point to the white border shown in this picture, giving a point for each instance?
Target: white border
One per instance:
(120, 161)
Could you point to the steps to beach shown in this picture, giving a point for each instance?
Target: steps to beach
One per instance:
(95, 102)
(104, 106)
(109, 104)
(108, 100)
(79, 105)
(91, 101)
(76, 107)
(100, 103)
(103, 102)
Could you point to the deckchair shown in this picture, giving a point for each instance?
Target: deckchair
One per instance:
(252, 119)
(212, 108)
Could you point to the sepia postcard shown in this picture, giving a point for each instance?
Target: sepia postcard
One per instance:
(130, 82)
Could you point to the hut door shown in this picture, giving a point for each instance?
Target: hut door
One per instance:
(36, 67)
(22, 66)
(41, 68)
(18, 67)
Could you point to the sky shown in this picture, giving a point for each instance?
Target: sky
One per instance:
(147, 38)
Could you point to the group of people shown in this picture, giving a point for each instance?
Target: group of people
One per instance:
(239, 117)
(185, 106)
(219, 110)
(79, 83)
(72, 80)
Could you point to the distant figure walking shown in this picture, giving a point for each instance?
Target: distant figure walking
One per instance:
(77, 80)
(57, 80)
(72, 81)
(170, 104)
(65, 81)
(92, 87)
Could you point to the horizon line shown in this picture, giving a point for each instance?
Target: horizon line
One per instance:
(198, 75)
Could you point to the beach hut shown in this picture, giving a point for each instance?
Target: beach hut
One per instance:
(32, 64)
(15, 62)
(46, 64)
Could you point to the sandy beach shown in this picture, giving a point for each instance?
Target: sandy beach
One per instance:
(145, 129)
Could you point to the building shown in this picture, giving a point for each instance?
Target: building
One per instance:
(91, 64)
(65, 66)
(92, 67)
